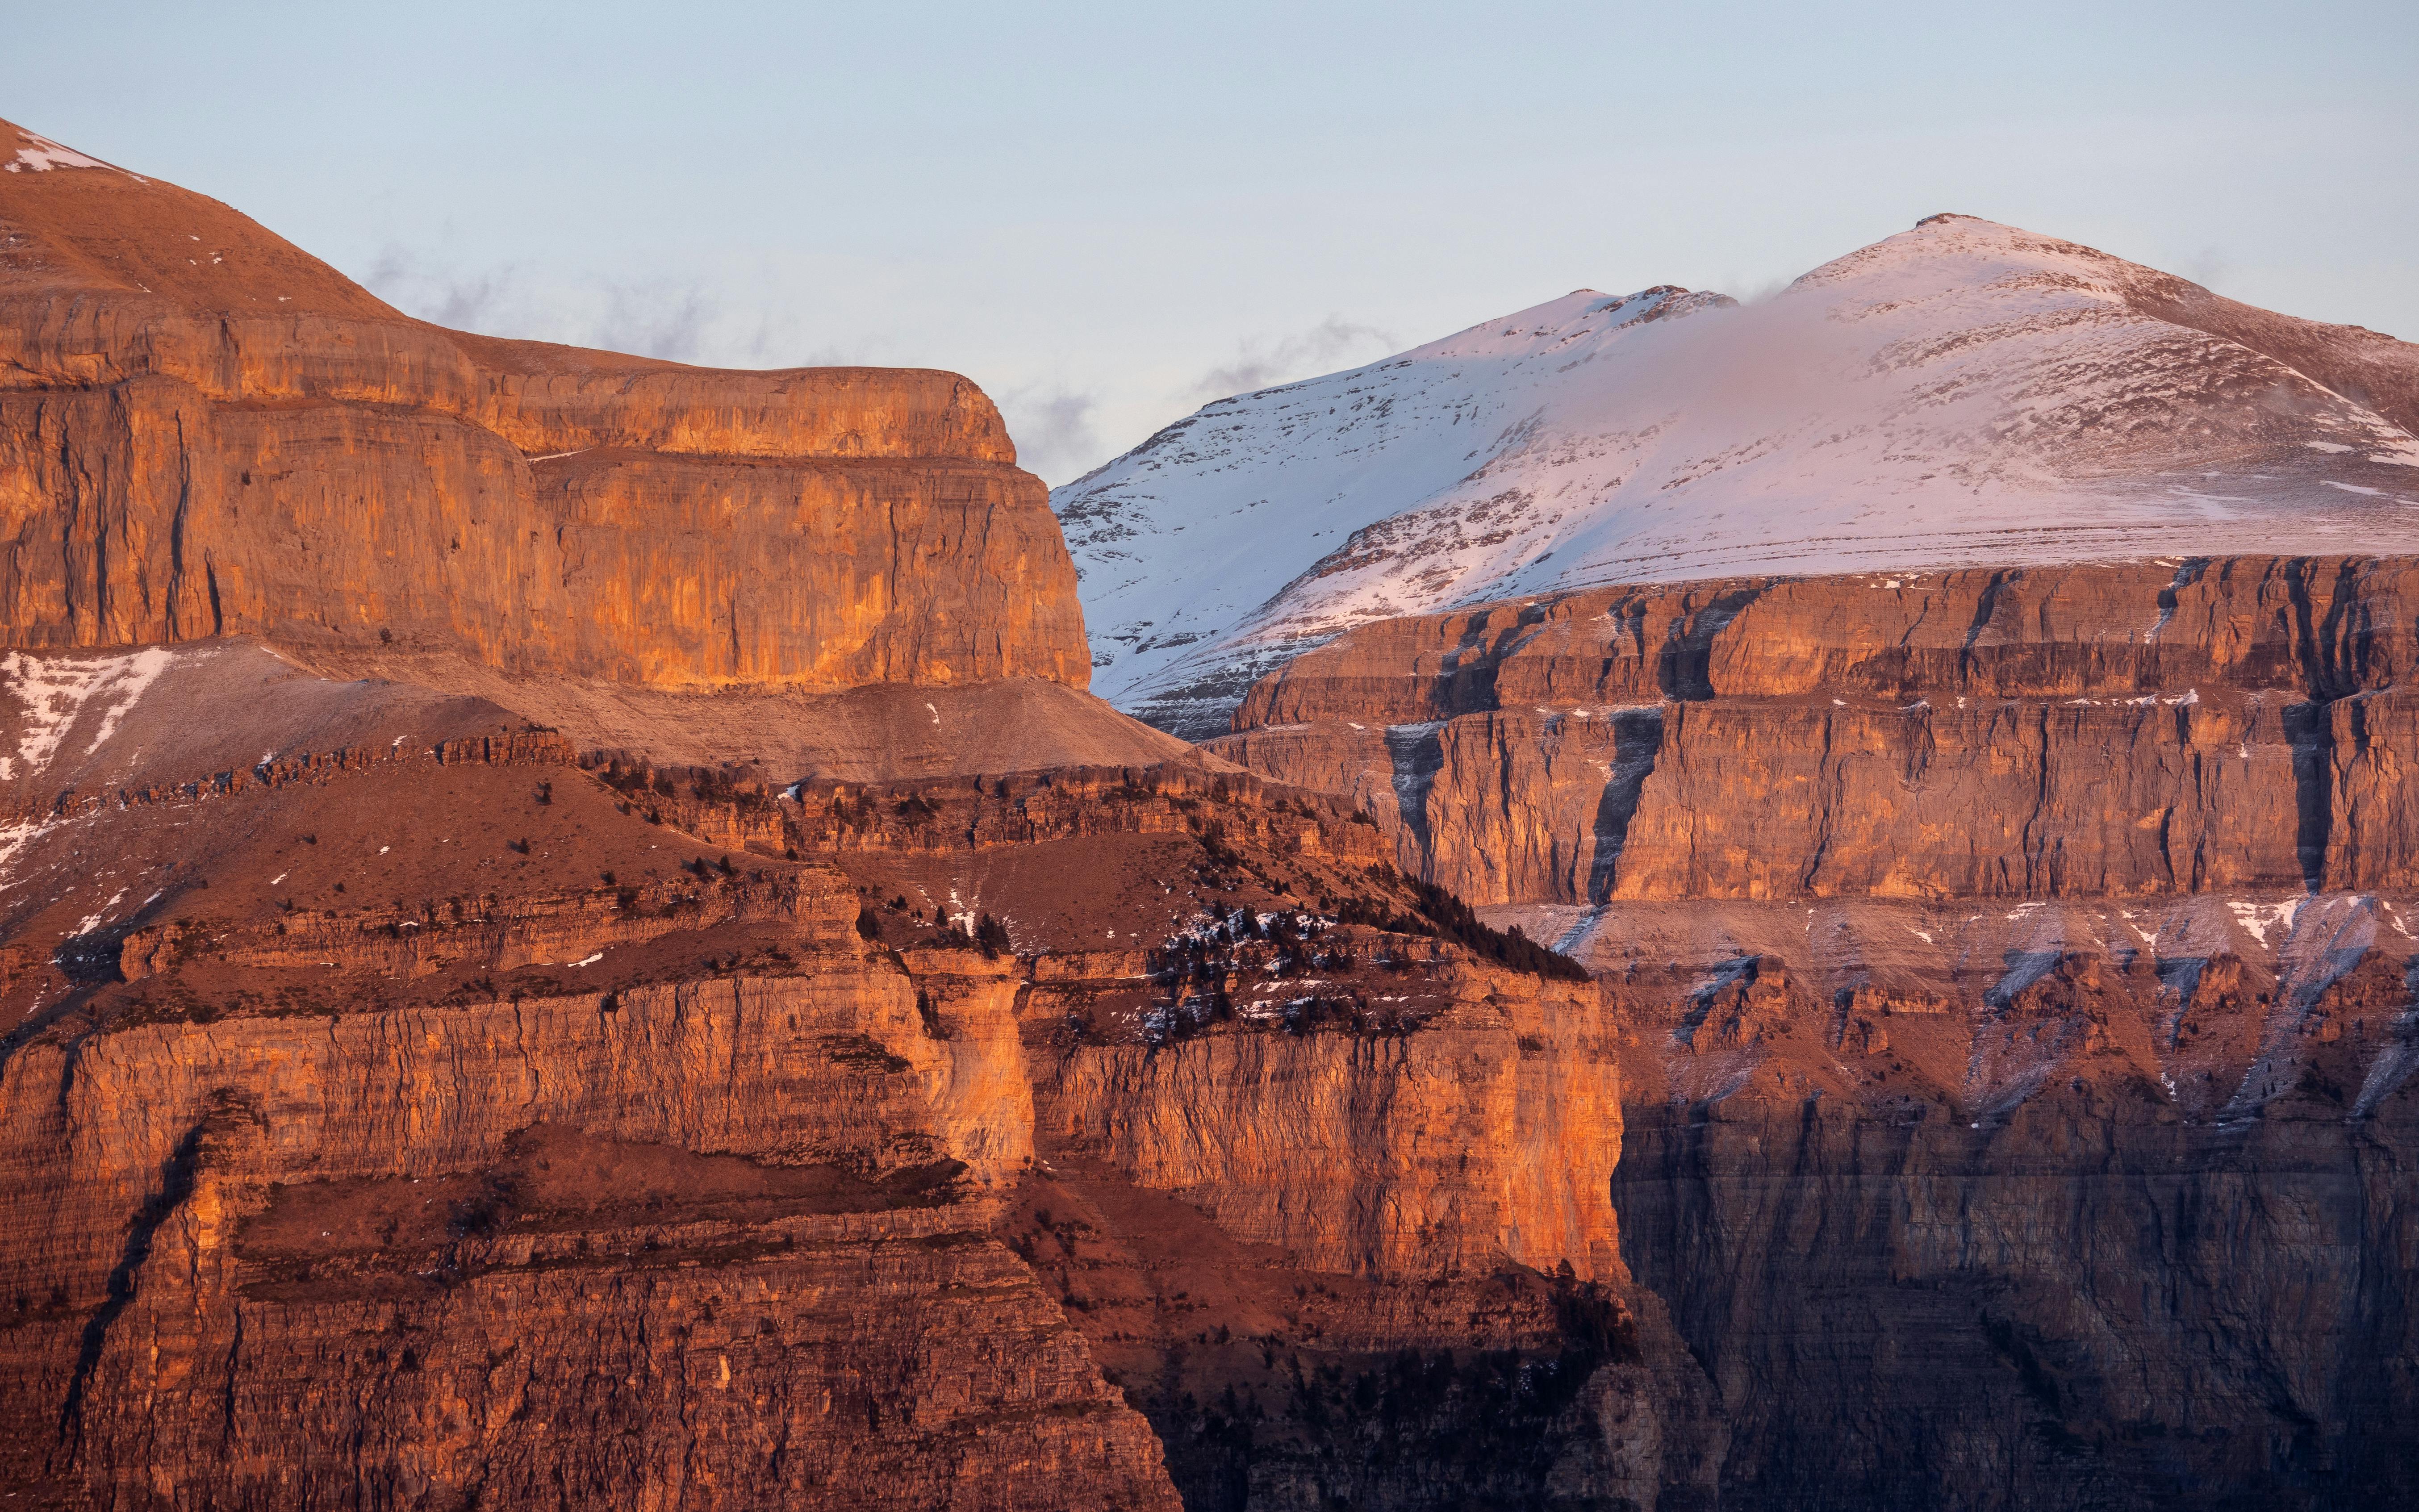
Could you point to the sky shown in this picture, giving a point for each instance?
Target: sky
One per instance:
(1109, 215)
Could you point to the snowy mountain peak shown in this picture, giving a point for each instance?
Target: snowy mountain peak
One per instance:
(1962, 392)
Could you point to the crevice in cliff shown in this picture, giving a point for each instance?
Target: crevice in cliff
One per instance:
(177, 526)
(1466, 682)
(1826, 806)
(2187, 573)
(1685, 670)
(2311, 735)
(2332, 657)
(1416, 754)
(1638, 736)
(1985, 607)
(217, 613)
(2036, 846)
(177, 1175)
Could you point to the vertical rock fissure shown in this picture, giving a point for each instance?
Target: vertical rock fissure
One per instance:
(1827, 798)
(1416, 754)
(2311, 735)
(2187, 573)
(175, 1184)
(1638, 736)
(1985, 607)
(177, 525)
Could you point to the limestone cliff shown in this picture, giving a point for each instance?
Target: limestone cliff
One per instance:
(435, 1114)
(2157, 728)
(2013, 981)
(567, 930)
(204, 431)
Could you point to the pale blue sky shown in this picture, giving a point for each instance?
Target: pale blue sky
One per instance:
(1108, 215)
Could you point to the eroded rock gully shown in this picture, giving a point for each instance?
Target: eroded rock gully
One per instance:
(2015, 989)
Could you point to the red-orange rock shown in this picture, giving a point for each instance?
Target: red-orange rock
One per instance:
(2035, 732)
(204, 431)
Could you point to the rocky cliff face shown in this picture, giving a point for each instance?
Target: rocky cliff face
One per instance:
(2081, 1206)
(2123, 731)
(436, 1116)
(204, 431)
(534, 1072)
(2013, 981)
(568, 935)
(377, 1157)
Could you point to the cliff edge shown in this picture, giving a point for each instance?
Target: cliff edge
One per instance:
(204, 431)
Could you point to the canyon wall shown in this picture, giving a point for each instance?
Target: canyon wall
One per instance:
(2090, 1306)
(433, 1121)
(204, 431)
(523, 981)
(2070, 1204)
(2013, 981)
(2037, 732)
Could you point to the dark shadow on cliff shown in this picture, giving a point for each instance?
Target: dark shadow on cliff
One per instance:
(177, 1176)
(1639, 735)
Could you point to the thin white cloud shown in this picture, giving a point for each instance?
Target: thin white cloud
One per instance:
(1323, 349)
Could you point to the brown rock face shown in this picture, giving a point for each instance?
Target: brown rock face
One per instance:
(426, 1117)
(383, 1156)
(2071, 1204)
(2013, 975)
(1488, 1135)
(2033, 734)
(204, 431)
(405, 1104)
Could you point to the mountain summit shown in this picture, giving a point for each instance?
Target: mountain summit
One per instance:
(1961, 393)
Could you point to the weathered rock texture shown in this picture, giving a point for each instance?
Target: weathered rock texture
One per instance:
(2013, 977)
(2069, 1204)
(429, 1120)
(367, 1205)
(569, 1012)
(2123, 730)
(204, 431)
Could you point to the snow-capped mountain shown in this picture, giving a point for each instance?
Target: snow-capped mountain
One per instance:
(1961, 393)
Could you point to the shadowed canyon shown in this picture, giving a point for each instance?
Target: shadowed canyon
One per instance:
(572, 935)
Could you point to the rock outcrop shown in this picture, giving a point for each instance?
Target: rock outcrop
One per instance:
(439, 1114)
(2012, 979)
(2038, 732)
(204, 431)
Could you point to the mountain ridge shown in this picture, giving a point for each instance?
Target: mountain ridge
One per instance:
(1961, 393)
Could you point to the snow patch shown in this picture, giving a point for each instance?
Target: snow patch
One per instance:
(43, 155)
(2259, 918)
(55, 691)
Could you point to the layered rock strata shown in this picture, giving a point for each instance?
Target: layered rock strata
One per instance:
(426, 1119)
(2074, 1205)
(2120, 730)
(2013, 975)
(204, 431)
